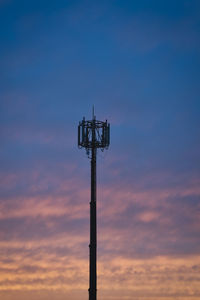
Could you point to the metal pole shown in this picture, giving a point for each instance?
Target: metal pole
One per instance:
(93, 223)
(93, 134)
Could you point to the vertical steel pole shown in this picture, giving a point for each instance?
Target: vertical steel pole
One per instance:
(93, 134)
(93, 223)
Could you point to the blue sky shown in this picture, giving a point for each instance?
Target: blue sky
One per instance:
(138, 63)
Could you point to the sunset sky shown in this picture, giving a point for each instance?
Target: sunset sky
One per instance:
(138, 62)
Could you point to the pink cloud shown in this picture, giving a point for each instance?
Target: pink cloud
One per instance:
(125, 217)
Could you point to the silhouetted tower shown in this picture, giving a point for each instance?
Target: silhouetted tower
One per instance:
(93, 134)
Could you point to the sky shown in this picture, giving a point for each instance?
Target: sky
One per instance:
(138, 63)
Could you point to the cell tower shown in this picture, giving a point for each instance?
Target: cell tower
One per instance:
(93, 134)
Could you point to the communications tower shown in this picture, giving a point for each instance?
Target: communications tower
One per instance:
(93, 134)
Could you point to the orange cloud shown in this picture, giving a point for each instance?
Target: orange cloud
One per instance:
(136, 225)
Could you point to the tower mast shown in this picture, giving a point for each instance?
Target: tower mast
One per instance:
(93, 134)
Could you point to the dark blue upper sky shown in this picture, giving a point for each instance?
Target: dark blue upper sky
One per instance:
(138, 63)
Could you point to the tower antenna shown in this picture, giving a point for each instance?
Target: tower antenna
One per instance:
(93, 112)
(91, 136)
